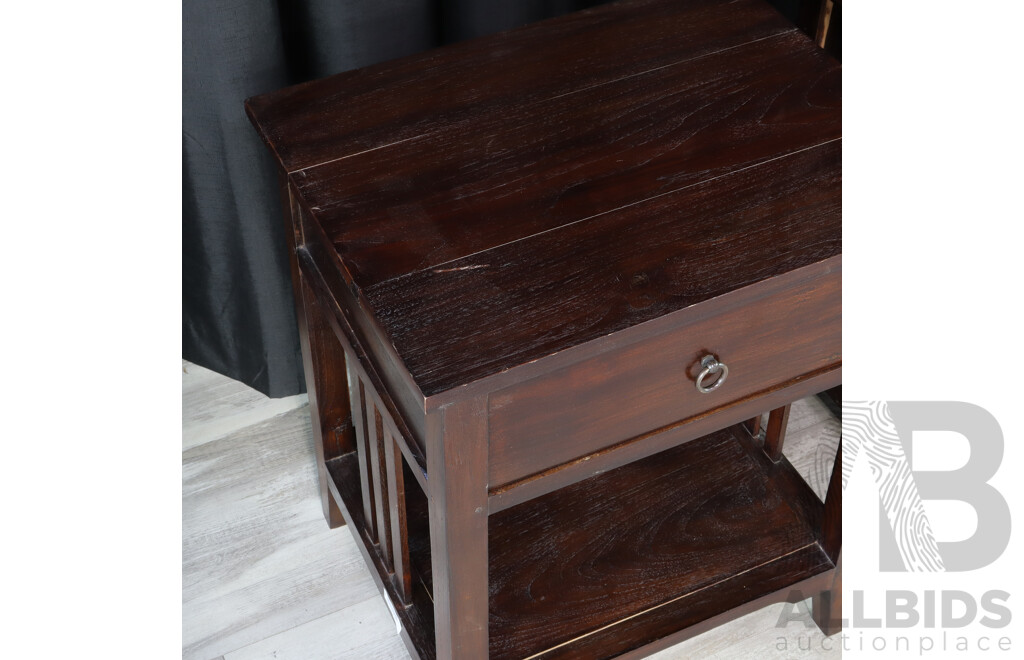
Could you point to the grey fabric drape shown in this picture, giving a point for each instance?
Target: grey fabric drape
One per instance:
(237, 311)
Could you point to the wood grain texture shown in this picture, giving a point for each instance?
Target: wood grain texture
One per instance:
(648, 385)
(634, 449)
(528, 268)
(456, 462)
(529, 299)
(365, 109)
(464, 191)
(580, 559)
(362, 369)
(657, 97)
(322, 268)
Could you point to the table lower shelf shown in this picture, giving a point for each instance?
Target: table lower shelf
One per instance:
(702, 531)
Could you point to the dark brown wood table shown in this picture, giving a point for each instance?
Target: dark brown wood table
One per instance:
(547, 282)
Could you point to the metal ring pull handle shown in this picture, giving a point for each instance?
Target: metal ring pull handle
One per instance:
(711, 366)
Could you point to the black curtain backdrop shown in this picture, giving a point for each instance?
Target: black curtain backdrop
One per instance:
(238, 317)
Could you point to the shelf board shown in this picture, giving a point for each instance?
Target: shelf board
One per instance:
(623, 559)
(679, 541)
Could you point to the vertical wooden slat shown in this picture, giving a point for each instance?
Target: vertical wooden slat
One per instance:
(457, 465)
(775, 433)
(402, 577)
(375, 444)
(363, 455)
(753, 426)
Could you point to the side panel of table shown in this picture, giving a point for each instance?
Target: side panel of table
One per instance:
(366, 458)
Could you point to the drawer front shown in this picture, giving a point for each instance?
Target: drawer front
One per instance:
(648, 385)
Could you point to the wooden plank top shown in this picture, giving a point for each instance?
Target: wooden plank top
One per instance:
(510, 197)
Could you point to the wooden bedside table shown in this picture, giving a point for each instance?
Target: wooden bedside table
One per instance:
(544, 278)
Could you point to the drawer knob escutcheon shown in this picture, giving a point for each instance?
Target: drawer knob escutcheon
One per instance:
(711, 366)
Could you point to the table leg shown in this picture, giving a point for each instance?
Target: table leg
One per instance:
(327, 386)
(457, 465)
(827, 607)
(775, 434)
(323, 361)
(753, 426)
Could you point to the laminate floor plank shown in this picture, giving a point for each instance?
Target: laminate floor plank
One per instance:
(213, 406)
(364, 631)
(804, 413)
(263, 576)
(257, 557)
(812, 450)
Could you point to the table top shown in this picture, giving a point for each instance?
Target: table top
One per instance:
(503, 199)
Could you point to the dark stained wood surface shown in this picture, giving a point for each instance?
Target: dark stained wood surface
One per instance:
(649, 535)
(633, 449)
(325, 372)
(650, 384)
(775, 434)
(523, 246)
(466, 189)
(525, 300)
(463, 204)
(355, 111)
(457, 497)
(321, 265)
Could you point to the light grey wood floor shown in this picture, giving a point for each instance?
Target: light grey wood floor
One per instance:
(264, 578)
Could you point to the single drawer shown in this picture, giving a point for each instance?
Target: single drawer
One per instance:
(766, 339)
